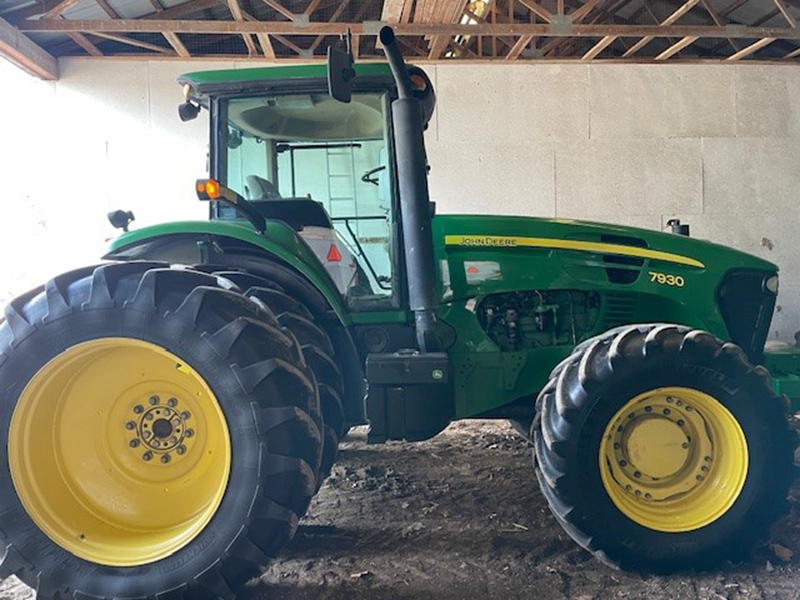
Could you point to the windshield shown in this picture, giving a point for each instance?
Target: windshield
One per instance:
(321, 166)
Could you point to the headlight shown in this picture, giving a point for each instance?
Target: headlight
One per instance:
(772, 284)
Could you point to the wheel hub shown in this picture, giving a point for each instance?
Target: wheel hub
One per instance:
(162, 429)
(673, 459)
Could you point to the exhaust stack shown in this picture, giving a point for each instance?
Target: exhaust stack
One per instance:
(415, 206)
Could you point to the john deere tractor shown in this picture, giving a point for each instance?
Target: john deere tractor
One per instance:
(167, 414)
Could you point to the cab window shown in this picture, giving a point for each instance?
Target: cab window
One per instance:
(322, 167)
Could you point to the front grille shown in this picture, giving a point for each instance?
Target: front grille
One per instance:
(746, 306)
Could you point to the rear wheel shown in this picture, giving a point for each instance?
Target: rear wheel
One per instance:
(159, 433)
(662, 448)
(317, 350)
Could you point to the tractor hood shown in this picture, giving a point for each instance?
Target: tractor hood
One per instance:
(533, 248)
(652, 276)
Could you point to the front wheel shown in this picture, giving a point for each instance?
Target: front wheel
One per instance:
(662, 448)
(162, 436)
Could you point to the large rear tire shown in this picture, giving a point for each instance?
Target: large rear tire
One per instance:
(160, 435)
(291, 314)
(662, 448)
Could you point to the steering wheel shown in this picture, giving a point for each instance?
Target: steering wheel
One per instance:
(367, 177)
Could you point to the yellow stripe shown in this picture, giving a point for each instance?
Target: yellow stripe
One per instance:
(496, 241)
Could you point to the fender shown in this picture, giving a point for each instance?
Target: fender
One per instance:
(280, 255)
(209, 241)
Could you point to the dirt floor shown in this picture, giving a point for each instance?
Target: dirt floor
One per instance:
(461, 516)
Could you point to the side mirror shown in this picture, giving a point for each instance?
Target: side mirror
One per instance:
(188, 111)
(120, 219)
(340, 74)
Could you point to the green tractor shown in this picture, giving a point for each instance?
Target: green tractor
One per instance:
(169, 413)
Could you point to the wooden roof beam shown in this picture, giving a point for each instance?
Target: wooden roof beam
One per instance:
(133, 42)
(112, 14)
(26, 54)
(238, 15)
(176, 44)
(263, 39)
(599, 47)
(751, 49)
(407, 29)
(537, 9)
(677, 14)
(677, 47)
(59, 8)
(786, 14)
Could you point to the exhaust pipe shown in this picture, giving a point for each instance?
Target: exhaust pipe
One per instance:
(415, 206)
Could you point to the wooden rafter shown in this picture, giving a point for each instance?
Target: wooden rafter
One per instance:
(785, 12)
(133, 42)
(672, 18)
(407, 29)
(599, 47)
(751, 49)
(449, 29)
(112, 14)
(238, 15)
(25, 53)
(677, 47)
(263, 39)
(176, 43)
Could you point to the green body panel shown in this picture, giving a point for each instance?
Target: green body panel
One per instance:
(280, 240)
(488, 378)
(783, 364)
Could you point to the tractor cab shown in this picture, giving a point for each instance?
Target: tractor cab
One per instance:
(322, 166)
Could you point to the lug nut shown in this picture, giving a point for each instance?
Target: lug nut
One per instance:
(667, 411)
(138, 409)
(173, 402)
(669, 399)
(632, 416)
(134, 443)
(637, 474)
(648, 495)
(181, 449)
(147, 435)
(130, 425)
(699, 478)
(147, 455)
(622, 463)
(707, 459)
(685, 445)
(616, 446)
(165, 458)
(189, 433)
(149, 416)
(648, 409)
(154, 400)
(681, 422)
(186, 415)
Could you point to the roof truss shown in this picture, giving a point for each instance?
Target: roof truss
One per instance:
(430, 29)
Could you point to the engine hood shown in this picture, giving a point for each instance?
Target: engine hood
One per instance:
(487, 254)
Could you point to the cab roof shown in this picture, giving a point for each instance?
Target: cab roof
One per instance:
(208, 81)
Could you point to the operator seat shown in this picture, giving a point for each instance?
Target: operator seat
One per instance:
(298, 213)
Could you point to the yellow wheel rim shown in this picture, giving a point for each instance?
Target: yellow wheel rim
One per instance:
(673, 459)
(119, 451)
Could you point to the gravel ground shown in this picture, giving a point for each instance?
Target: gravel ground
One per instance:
(461, 516)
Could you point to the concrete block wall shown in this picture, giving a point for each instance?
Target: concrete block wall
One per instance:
(714, 145)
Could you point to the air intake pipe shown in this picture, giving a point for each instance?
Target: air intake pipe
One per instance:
(415, 207)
